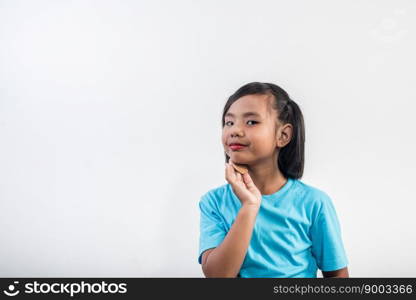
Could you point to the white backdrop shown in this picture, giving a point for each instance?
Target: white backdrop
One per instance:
(110, 117)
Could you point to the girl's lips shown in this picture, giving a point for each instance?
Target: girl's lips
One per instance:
(236, 147)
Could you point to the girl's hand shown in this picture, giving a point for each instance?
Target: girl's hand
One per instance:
(243, 186)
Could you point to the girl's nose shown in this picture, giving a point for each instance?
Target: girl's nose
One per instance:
(236, 132)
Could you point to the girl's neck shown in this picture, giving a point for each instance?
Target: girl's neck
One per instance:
(267, 178)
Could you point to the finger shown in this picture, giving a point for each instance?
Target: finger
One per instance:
(229, 173)
(226, 172)
(248, 181)
(239, 176)
(231, 163)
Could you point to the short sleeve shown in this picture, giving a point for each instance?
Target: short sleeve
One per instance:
(212, 229)
(327, 245)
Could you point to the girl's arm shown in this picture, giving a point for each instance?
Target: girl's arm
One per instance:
(341, 273)
(227, 258)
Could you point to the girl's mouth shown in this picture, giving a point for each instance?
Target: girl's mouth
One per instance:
(236, 147)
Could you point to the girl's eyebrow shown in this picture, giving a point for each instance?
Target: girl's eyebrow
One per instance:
(247, 114)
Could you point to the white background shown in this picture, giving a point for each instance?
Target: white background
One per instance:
(110, 116)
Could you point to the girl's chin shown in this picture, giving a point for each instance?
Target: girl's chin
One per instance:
(237, 158)
(238, 161)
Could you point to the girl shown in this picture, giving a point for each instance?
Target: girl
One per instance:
(266, 222)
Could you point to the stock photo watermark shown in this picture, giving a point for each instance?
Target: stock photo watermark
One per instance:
(71, 289)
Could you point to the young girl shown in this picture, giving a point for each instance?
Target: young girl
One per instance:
(266, 222)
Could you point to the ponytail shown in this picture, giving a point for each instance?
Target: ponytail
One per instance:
(292, 156)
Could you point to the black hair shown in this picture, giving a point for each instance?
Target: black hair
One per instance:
(292, 156)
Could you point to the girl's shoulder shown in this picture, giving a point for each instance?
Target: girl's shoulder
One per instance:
(217, 194)
(310, 193)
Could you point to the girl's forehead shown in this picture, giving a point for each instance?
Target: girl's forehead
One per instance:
(260, 104)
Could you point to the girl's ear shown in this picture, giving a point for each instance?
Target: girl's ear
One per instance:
(284, 135)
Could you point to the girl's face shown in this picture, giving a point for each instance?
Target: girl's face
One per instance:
(251, 121)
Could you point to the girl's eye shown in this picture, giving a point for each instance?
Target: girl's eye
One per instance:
(227, 123)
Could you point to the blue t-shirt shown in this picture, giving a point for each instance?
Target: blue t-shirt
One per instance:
(295, 233)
